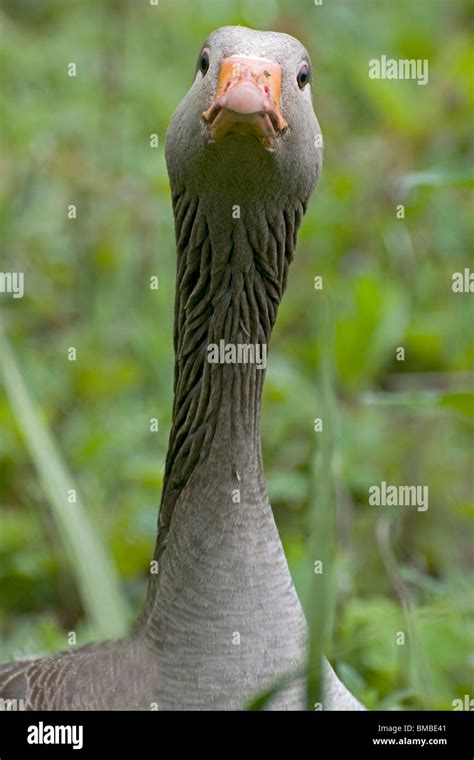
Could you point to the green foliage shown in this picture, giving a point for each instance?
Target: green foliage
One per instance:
(94, 572)
(85, 140)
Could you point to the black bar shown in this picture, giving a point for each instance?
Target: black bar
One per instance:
(151, 734)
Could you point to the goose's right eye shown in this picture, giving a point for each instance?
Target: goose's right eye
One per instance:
(204, 62)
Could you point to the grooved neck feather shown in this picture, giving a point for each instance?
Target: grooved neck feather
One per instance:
(229, 285)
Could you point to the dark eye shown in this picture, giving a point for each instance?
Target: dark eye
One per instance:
(204, 62)
(303, 76)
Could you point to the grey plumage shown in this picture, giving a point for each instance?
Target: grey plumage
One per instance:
(222, 620)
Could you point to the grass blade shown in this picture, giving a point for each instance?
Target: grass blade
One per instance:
(93, 568)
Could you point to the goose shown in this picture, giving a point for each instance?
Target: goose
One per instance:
(222, 621)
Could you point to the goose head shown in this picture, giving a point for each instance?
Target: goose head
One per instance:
(248, 120)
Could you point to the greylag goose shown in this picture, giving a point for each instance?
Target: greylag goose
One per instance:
(222, 621)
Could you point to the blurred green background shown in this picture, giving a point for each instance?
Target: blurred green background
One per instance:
(387, 283)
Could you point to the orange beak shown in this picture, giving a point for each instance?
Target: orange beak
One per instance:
(247, 100)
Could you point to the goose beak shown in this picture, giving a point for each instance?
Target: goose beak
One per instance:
(247, 100)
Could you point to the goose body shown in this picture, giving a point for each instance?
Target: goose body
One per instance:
(222, 620)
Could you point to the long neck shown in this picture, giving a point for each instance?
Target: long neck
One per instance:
(231, 275)
(218, 548)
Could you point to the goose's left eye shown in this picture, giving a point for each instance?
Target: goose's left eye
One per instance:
(303, 76)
